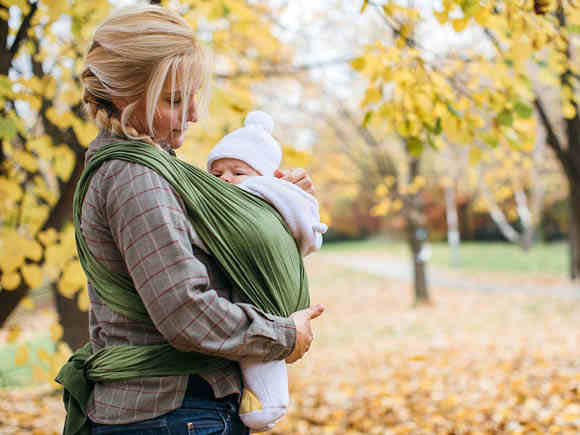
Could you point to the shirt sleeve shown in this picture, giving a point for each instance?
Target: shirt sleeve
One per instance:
(152, 231)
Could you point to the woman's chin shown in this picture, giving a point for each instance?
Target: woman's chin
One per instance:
(176, 142)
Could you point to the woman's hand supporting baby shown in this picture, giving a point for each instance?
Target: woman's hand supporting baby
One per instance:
(304, 334)
(297, 176)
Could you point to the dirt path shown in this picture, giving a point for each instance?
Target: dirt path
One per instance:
(399, 269)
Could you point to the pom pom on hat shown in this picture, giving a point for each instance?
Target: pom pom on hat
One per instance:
(252, 144)
(261, 119)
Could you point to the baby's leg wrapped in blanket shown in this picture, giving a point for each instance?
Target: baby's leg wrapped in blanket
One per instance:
(265, 397)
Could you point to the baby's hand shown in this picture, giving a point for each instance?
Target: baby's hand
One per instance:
(297, 176)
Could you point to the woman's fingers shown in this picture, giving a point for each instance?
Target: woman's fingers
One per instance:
(316, 311)
(297, 176)
(304, 335)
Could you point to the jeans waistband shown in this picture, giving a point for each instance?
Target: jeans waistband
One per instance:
(200, 390)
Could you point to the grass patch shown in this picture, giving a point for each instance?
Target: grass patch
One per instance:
(12, 375)
(543, 259)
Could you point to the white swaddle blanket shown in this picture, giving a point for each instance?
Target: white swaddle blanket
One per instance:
(298, 208)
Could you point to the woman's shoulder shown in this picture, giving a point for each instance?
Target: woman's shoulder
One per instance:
(118, 174)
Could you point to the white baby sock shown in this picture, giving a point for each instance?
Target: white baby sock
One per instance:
(265, 397)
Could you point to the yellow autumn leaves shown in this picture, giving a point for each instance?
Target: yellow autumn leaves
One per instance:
(391, 202)
(14, 250)
(24, 259)
(477, 99)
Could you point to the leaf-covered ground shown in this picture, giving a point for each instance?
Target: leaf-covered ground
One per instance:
(472, 363)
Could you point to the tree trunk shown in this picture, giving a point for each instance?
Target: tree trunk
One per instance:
(527, 240)
(74, 321)
(569, 155)
(10, 300)
(453, 236)
(569, 158)
(574, 229)
(573, 173)
(417, 234)
(527, 236)
(499, 218)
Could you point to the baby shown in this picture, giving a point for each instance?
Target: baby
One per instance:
(248, 157)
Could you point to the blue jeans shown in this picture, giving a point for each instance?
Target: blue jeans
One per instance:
(195, 417)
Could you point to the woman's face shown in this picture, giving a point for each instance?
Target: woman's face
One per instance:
(167, 121)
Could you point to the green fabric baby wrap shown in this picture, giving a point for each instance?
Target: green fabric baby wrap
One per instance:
(245, 234)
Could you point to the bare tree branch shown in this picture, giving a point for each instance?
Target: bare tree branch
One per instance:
(291, 70)
(4, 29)
(20, 36)
(552, 138)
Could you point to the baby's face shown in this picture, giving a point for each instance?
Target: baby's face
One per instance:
(232, 171)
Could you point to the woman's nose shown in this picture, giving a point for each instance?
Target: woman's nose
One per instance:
(192, 112)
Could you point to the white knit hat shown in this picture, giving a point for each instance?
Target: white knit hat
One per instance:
(253, 144)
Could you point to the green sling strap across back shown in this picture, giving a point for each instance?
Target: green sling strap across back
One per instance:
(245, 234)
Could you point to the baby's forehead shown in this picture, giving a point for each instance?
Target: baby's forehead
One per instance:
(230, 163)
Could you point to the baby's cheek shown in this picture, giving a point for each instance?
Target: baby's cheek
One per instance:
(241, 179)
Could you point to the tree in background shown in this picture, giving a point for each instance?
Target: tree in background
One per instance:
(386, 171)
(44, 137)
(515, 186)
(482, 99)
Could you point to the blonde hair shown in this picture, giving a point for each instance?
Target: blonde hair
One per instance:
(131, 56)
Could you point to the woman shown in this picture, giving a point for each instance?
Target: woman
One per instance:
(143, 74)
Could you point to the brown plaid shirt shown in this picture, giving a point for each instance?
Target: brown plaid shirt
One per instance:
(135, 223)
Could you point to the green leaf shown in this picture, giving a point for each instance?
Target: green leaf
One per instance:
(436, 130)
(509, 62)
(8, 128)
(5, 84)
(505, 117)
(523, 110)
(414, 146)
(438, 127)
(430, 141)
(491, 140)
(76, 27)
(453, 110)
(367, 118)
(469, 7)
